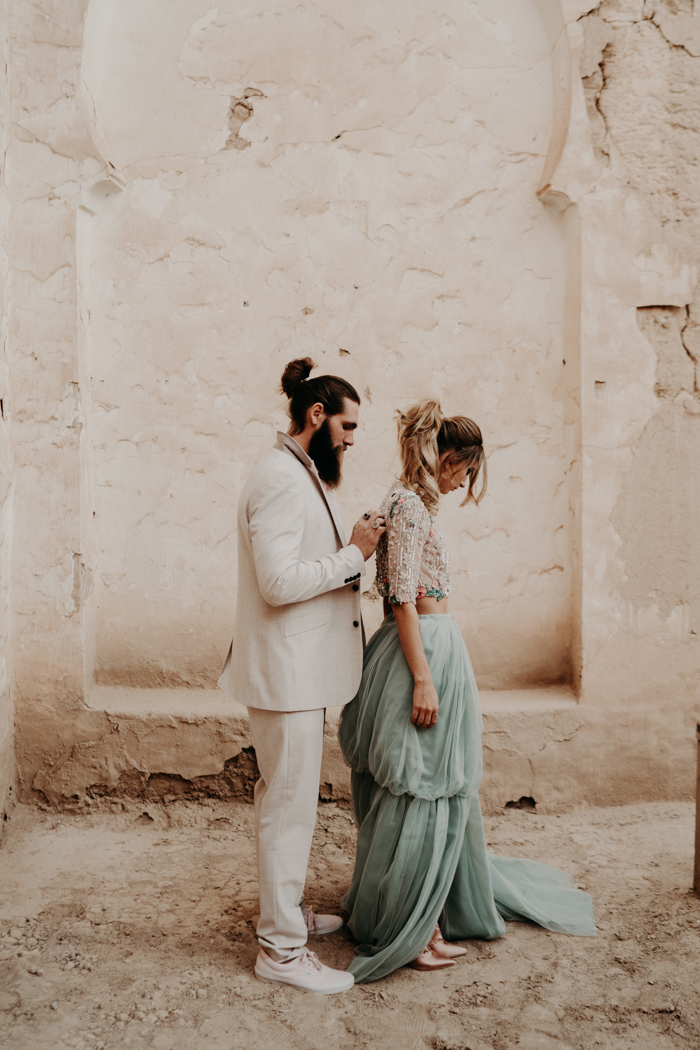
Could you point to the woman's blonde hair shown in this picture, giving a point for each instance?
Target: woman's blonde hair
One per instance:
(424, 434)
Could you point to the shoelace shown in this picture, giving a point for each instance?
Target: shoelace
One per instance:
(310, 920)
(310, 959)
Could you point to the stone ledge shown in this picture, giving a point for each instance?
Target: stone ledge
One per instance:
(527, 720)
(545, 700)
(525, 736)
(190, 704)
(194, 733)
(169, 743)
(211, 728)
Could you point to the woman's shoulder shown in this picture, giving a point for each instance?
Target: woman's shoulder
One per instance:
(400, 501)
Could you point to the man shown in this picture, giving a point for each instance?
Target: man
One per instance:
(297, 649)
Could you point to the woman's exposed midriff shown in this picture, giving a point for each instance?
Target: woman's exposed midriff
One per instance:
(424, 606)
(430, 606)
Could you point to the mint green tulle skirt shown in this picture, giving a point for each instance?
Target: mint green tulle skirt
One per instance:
(421, 849)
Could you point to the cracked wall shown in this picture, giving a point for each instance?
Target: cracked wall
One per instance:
(660, 498)
(7, 757)
(196, 194)
(631, 170)
(641, 72)
(360, 188)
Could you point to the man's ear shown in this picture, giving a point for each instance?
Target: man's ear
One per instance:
(316, 414)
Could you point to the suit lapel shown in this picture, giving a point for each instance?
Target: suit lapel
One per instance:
(332, 503)
(287, 444)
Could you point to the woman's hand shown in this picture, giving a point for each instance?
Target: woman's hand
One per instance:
(425, 705)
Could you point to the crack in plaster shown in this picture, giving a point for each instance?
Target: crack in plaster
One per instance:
(607, 52)
(684, 328)
(35, 140)
(558, 736)
(492, 603)
(653, 19)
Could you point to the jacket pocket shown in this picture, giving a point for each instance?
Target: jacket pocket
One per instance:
(306, 622)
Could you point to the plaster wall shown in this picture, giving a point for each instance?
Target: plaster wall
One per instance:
(456, 206)
(7, 757)
(640, 402)
(359, 188)
(49, 158)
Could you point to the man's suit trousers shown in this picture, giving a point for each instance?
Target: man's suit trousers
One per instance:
(288, 747)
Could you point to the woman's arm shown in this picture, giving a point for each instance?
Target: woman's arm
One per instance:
(425, 698)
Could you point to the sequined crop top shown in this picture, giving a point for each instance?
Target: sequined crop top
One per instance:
(412, 559)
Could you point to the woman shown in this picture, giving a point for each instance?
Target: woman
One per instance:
(412, 737)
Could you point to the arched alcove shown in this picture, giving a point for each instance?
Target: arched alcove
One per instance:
(360, 185)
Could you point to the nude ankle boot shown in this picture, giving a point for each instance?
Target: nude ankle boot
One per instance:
(430, 960)
(445, 949)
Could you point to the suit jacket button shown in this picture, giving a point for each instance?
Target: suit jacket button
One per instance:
(355, 623)
(355, 586)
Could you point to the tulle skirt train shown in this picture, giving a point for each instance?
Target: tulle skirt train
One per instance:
(421, 849)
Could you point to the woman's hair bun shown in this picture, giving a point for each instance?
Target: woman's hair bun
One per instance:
(424, 417)
(294, 375)
(419, 429)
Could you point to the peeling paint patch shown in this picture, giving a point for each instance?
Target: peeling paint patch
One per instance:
(82, 582)
(240, 110)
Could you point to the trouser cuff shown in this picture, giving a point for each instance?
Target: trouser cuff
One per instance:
(282, 955)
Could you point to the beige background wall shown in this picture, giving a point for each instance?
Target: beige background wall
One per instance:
(641, 406)
(454, 199)
(7, 764)
(376, 209)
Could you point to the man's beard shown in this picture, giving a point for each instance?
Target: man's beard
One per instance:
(327, 456)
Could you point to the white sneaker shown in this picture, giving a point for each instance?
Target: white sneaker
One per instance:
(305, 972)
(320, 925)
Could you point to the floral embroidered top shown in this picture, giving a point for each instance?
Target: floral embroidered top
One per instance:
(412, 559)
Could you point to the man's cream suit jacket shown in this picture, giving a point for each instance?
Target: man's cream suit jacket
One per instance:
(297, 643)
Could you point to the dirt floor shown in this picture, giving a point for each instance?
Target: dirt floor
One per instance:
(133, 927)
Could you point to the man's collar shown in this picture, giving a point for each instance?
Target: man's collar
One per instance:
(285, 441)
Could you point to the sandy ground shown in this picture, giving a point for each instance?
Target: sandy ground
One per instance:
(133, 928)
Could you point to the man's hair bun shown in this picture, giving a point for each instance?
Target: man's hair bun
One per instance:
(294, 375)
(329, 391)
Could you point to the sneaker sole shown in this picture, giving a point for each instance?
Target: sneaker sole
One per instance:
(333, 990)
(324, 933)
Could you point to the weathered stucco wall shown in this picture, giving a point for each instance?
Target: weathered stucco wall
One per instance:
(640, 409)
(49, 158)
(7, 757)
(361, 188)
(464, 202)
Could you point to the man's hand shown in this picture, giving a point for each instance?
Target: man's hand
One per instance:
(365, 535)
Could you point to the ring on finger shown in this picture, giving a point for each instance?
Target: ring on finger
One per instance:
(376, 523)
(366, 515)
